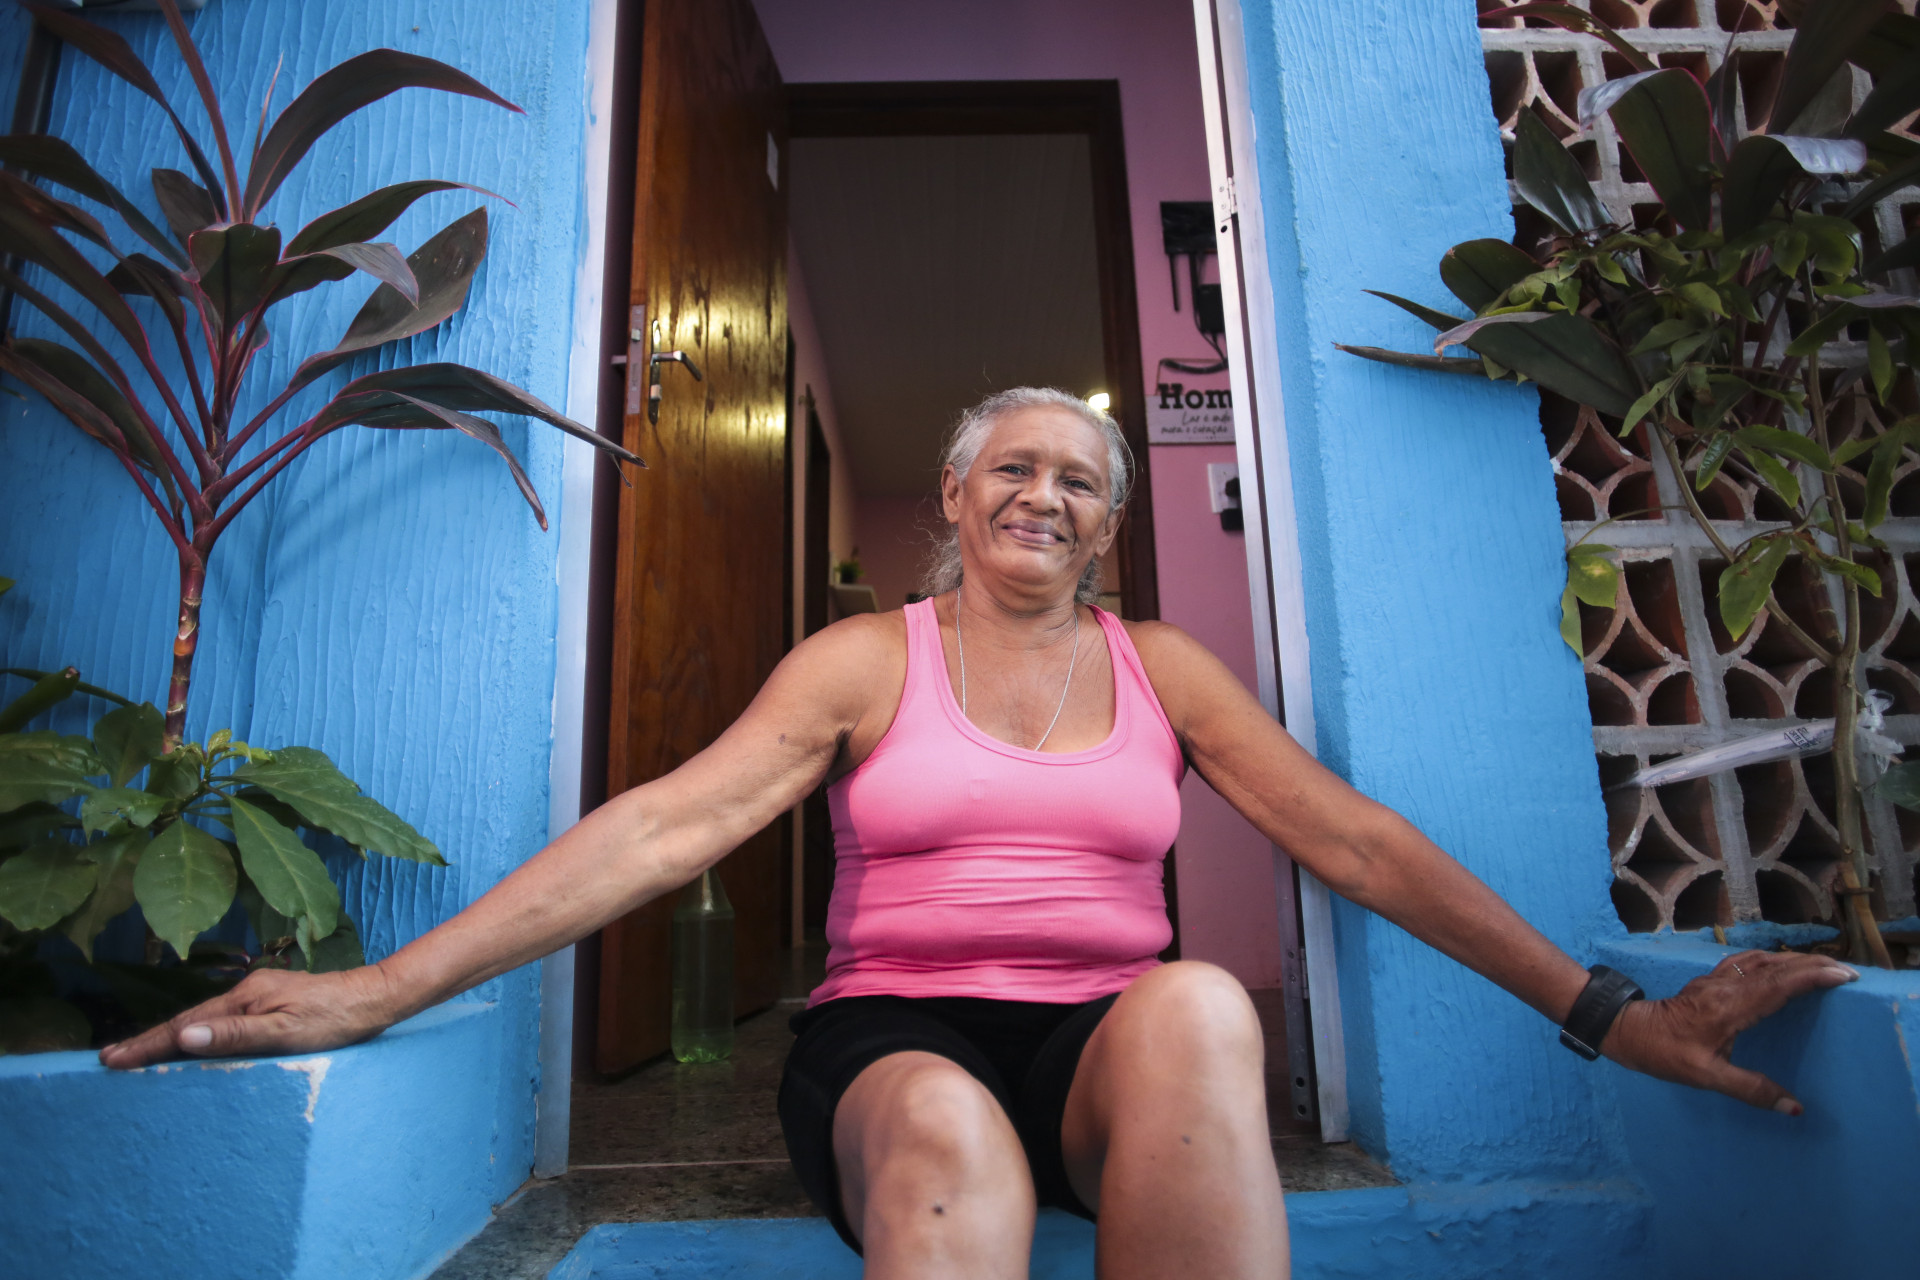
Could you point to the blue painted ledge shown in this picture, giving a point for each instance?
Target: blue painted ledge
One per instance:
(375, 1161)
(1490, 1231)
(1743, 1192)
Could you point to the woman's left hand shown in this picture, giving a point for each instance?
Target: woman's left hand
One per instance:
(1688, 1038)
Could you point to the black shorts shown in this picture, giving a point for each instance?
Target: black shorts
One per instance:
(1024, 1053)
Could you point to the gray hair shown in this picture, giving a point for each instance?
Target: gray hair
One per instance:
(943, 568)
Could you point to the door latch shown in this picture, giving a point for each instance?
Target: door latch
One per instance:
(654, 362)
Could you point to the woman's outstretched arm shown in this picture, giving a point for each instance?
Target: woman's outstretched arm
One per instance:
(1370, 855)
(636, 847)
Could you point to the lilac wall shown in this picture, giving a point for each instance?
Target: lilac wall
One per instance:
(1226, 873)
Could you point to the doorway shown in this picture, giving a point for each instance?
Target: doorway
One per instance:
(951, 240)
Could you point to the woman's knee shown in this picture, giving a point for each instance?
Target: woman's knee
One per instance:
(925, 1109)
(1189, 1005)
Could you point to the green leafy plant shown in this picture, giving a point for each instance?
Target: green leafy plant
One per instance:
(1706, 326)
(81, 842)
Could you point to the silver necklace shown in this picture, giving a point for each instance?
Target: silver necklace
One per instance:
(960, 642)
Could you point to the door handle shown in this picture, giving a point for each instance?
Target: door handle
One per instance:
(654, 362)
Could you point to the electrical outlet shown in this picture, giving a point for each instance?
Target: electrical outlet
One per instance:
(1218, 474)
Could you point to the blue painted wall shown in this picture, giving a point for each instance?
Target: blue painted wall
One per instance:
(391, 600)
(1432, 554)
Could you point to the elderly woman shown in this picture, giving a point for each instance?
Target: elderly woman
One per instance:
(995, 1032)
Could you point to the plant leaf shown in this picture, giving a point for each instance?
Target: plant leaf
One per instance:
(1789, 443)
(1592, 576)
(1758, 170)
(1824, 35)
(75, 372)
(23, 233)
(338, 951)
(44, 766)
(1894, 179)
(1548, 177)
(115, 858)
(1576, 20)
(456, 386)
(1478, 271)
(1570, 621)
(1901, 785)
(381, 261)
(51, 158)
(1415, 360)
(177, 775)
(1887, 452)
(1879, 363)
(443, 267)
(1710, 459)
(1596, 100)
(187, 206)
(234, 267)
(327, 800)
(50, 690)
(1777, 477)
(1565, 354)
(395, 410)
(1904, 254)
(112, 810)
(371, 214)
(184, 884)
(1460, 334)
(1825, 156)
(290, 876)
(338, 93)
(1438, 319)
(32, 822)
(128, 739)
(116, 55)
(40, 887)
(1748, 581)
(1663, 122)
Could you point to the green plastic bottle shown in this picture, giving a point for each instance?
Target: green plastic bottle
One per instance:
(703, 972)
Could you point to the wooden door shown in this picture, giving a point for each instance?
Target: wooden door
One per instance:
(698, 608)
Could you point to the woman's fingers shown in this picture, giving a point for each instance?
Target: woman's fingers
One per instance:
(1758, 983)
(266, 1013)
(1749, 1087)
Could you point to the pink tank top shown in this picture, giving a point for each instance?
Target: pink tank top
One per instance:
(966, 866)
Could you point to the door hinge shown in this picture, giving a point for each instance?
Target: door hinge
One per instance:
(1226, 204)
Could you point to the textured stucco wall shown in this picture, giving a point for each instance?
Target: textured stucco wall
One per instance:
(1432, 556)
(391, 600)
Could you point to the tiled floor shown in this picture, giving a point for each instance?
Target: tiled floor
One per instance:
(687, 1143)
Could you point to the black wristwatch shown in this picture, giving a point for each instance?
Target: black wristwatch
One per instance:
(1607, 992)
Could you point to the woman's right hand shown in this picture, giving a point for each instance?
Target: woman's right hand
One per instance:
(267, 1013)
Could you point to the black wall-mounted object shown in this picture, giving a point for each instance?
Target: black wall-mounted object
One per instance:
(1186, 231)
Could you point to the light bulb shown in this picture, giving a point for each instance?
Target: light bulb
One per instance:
(1100, 400)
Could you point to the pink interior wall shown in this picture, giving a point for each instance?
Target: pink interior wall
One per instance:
(893, 535)
(1227, 901)
(810, 372)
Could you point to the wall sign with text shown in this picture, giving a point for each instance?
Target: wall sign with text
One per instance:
(1178, 414)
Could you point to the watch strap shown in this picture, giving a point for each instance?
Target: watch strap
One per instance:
(1599, 1003)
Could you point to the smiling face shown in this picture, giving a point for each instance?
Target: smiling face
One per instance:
(1037, 504)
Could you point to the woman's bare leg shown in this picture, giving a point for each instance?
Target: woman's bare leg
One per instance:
(933, 1177)
(1165, 1132)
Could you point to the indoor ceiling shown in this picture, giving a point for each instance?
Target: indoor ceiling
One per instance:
(941, 269)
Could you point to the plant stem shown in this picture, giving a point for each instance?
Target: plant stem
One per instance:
(1701, 518)
(1864, 943)
(193, 581)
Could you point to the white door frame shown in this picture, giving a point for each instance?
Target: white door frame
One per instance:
(554, 1101)
(1266, 489)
